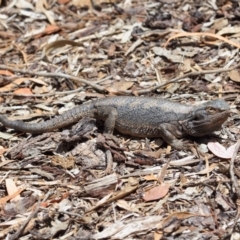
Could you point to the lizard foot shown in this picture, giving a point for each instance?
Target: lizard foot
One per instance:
(180, 144)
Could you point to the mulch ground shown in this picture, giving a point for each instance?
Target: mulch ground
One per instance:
(76, 182)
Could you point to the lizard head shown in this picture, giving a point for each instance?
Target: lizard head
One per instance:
(206, 118)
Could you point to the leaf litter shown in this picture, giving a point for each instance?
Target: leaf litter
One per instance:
(78, 183)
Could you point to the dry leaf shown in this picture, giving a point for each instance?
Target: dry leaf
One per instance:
(57, 44)
(12, 85)
(156, 192)
(82, 3)
(131, 186)
(23, 91)
(208, 169)
(121, 85)
(40, 7)
(220, 23)
(5, 163)
(12, 188)
(24, 4)
(158, 235)
(168, 54)
(48, 31)
(12, 196)
(220, 151)
(6, 73)
(234, 75)
(44, 204)
(6, 136)
(2, 150)
(229, 30)
(125, 205)
(150, 177)
(122, 229)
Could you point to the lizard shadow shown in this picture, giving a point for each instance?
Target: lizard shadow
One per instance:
(211, 137)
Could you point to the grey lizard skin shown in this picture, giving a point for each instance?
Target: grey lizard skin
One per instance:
(139, 116)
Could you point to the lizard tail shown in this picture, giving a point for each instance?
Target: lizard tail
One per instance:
(67, 118)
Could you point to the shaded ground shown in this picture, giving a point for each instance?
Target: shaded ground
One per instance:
(76, 183)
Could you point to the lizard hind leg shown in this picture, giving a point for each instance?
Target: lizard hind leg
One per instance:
(109, 115)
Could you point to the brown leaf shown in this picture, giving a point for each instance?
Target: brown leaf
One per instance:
(156, 192)
(6, 72)
(24, 91)
(150, 177)
(220, 23)
(11, 196)
(12, 85)
(2, 150)
(48, 30)
(120, 86)
(111, 50)
(234, 76)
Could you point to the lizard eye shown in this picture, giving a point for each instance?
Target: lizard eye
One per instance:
(211, 110)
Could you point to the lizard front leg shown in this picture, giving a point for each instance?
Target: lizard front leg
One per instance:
(170, 133)
(109, 115)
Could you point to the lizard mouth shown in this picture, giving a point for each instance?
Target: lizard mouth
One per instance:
(203, 124)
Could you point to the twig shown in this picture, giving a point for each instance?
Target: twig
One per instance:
(18, 233)
(109, 162)
(43, 94)
(61, 75)
(185, 34)
(101, 89)
(191, 74)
